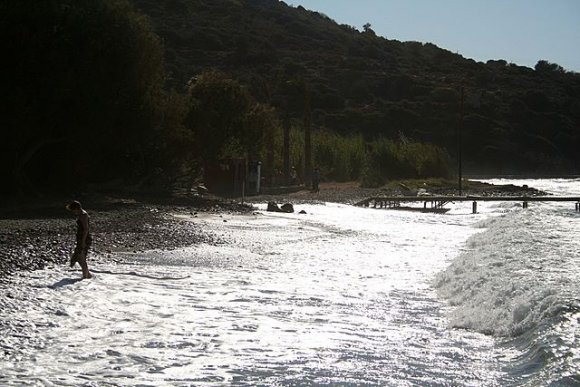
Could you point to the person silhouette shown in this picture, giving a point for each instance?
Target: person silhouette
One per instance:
(83, 237)
(316, 180)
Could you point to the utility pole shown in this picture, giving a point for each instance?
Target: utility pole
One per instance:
(307, 141)
(286, 150)
(459, 150)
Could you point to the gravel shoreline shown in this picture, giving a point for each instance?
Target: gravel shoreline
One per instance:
(35, 236)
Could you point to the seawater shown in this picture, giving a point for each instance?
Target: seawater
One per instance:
(339, 296)
(519, 281)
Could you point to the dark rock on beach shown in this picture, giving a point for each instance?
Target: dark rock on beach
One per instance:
(286, 207)
(273, 207)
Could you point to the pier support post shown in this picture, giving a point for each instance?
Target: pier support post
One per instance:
(578, 206)
(474, 207)
(525, 205)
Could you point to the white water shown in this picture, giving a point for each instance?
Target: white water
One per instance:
(339, 296)
(520, 280)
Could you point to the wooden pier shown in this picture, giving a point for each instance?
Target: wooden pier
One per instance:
(436, 203)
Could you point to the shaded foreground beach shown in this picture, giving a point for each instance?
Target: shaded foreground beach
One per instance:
(40, 234)
(35, 236)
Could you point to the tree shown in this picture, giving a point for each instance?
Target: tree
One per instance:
(217, 108)
(81, 89)
(224, 119)
(543, 66)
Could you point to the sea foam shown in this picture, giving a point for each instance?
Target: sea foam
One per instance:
(512, 275)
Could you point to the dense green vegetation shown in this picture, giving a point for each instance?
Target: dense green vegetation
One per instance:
(516, 119)
(147, 91)
(81, 92)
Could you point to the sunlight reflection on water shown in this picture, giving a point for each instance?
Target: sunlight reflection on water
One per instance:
(341, 295)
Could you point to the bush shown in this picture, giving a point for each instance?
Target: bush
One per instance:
(341, 158)
(387, 159)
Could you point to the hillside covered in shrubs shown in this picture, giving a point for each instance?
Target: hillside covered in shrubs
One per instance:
(515, 119)
(148, 92)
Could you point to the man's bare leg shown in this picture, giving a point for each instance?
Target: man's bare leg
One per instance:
(85, 268)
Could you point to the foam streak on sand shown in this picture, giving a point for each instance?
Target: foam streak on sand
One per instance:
(341, 295)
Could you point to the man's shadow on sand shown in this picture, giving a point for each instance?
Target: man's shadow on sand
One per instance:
(64, 282)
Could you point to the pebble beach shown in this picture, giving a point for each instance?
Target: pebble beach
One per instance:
(34, 235)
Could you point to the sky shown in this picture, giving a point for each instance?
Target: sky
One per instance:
(518, 31)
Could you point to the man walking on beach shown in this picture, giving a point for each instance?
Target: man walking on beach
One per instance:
(316, 180)
(83, 237)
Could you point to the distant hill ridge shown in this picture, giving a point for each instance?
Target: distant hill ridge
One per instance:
(515, 119)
